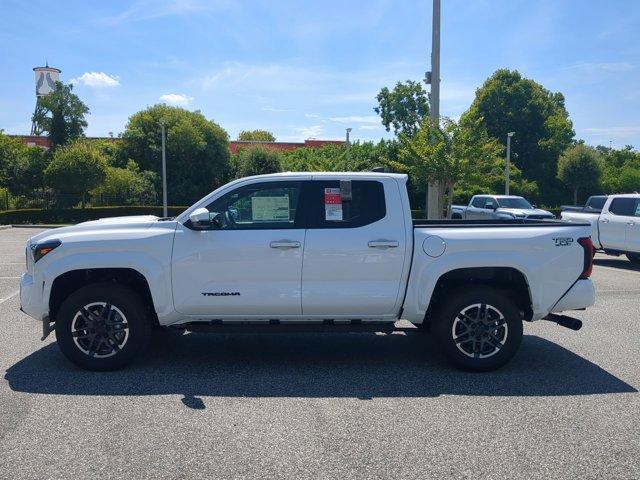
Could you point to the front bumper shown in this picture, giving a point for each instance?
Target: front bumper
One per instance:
(31, 297)
(580, 296)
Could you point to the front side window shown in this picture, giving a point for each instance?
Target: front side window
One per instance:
(262, 206)
(478, 202)
(350, 204)
(490, 203)
(623, 206)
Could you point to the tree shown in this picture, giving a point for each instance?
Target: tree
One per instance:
(403, 108)
(76, 168)
(447, 154)
(620, 169)
(21, 166)
(197, 151)
(333, 158)
(61, 115)
(256, 136)
(508, 102)
(256, 161)
(579, 168)
(128, 186)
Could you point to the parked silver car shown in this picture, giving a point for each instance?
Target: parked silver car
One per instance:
(488, 207)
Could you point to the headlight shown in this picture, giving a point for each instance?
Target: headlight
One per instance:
(519, 215)
(39, 250)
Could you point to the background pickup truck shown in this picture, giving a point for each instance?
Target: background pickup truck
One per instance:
(594, 204)
(311, 252)
(616, 229)
(485, 207)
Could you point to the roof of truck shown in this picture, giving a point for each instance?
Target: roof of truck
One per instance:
(400, 176)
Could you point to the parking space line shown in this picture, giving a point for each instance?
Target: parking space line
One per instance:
(2, 300)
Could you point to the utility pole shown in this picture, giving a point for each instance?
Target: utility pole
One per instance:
(348, 144)
(434, 208)
(507, 163)
(164, 173)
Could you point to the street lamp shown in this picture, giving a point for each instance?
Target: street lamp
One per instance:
(164, 173)
(508, 163)
(348, 143)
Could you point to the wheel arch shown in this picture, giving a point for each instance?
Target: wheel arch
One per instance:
(69, 282)
(509, 280)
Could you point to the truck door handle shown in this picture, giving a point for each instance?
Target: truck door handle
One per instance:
(284, 244)
(604, 220)
(631, 223)
(383, 244)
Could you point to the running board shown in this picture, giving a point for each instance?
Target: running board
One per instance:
(255, 328)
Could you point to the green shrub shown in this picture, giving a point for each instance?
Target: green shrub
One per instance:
(76, 215)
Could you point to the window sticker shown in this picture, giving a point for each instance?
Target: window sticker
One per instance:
(332, 205)
(270, 209)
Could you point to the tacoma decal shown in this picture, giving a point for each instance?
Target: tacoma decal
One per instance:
(221, 294)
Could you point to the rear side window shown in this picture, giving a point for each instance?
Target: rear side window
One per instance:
(332, 205)
(623, 206)
(597, 203)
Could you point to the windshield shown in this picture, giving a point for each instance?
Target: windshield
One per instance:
(514, 202)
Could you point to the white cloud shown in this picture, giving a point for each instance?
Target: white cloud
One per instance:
(372, 119)
(97, 80)
(370, 127)
(602, 67)
(613, 132)
(273, 109)
(176, 99)
(311, 115)
(152, 9)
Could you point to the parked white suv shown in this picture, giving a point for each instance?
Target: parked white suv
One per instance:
(502, 207)
(329, 252)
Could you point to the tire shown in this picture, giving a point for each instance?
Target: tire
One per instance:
(97, 339)
(634, 258)
(478, 345)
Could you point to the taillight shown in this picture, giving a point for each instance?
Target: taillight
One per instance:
(589, 252)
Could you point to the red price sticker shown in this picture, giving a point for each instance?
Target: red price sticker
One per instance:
(332, 196)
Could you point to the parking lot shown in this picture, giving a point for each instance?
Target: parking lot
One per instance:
(326, 405)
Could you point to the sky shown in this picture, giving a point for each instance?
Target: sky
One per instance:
(311, 69)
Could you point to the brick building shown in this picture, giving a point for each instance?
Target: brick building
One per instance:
(234, 145)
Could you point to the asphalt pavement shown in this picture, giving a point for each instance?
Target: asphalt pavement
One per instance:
(343, 406)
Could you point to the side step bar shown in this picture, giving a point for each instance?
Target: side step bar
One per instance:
(255, 328)
(564, 321)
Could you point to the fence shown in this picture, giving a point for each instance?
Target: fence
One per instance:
(51, 200)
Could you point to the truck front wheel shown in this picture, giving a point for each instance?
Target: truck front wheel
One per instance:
(102, 326)
(478, 328)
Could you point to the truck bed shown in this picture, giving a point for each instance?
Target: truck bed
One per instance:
(421, 223)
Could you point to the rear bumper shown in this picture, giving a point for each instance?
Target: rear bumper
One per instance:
(580, 296)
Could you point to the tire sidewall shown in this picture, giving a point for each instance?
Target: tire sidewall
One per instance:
(121, 297)
(447, 313)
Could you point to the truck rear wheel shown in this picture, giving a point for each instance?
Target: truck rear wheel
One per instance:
(102, 326)
(478, 329)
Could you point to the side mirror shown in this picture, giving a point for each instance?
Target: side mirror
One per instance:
(534, 205)
(200, 217)
(490, 206)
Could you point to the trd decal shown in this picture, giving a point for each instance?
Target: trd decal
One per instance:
(563, 242)
(221, 294)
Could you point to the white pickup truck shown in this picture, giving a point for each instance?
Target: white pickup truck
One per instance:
(616, 228)
(310, 252)
(503, 207)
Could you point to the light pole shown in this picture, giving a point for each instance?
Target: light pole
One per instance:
(164, 173)
(434, 209)
(348, 144)
(508, 163)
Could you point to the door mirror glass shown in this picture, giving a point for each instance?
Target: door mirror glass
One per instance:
(200, 217)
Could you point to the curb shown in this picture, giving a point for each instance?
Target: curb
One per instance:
(5, 227)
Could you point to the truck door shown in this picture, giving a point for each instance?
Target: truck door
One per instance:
(249, 262)
(475, 211)
(633, 230)
(355, 249)
(614, 223)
